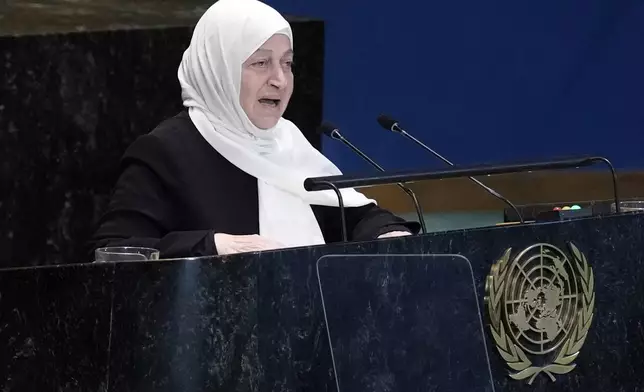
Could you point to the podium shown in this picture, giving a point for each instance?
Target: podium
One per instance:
(535, 307)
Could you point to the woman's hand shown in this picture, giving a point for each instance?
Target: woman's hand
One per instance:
(227, 244)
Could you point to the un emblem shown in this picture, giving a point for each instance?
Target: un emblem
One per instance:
(540, 307)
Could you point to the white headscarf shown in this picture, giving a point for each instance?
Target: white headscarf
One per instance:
(281, 157)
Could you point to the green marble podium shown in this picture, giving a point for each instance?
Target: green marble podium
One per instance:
(404, 314)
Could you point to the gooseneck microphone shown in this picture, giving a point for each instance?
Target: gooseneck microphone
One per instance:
(332, 131)
(390, 124)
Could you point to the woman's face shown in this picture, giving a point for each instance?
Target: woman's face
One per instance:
(267, 82)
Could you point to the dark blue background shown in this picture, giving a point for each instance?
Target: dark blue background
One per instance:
(483, 81)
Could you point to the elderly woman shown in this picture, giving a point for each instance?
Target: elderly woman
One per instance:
(226, 175)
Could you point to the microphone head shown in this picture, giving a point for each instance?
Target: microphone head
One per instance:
(328, 129)
(388, 123)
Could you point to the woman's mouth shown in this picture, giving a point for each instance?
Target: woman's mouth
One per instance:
(269, 102)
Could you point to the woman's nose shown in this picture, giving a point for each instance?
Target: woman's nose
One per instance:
(278, 78)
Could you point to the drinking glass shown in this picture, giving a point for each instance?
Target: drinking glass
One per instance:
(629, 206)
(126, 253)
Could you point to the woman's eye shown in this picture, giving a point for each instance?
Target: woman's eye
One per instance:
(261, 63)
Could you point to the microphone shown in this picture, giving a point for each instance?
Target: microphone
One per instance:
(332, 131)
(390, 124)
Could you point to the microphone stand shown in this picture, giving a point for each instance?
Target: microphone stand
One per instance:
(421, 217)
(397, 129)
(343, 181)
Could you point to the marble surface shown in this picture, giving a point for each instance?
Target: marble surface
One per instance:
(27, 17)
(213, 311)
(55, 329)
(255, 322)
(70, 104)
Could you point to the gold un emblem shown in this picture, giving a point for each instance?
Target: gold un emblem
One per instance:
(540, 307)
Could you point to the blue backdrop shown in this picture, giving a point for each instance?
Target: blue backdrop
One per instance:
(483, 81)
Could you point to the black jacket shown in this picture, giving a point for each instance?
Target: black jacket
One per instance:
(175, 191)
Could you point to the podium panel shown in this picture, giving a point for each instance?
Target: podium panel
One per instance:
(403, 323)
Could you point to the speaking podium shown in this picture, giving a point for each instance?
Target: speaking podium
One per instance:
(562, 311)
(554, 306)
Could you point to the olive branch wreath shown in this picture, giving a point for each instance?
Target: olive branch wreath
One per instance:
(514, 356)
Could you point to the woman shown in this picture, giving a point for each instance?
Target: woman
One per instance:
(226, 176)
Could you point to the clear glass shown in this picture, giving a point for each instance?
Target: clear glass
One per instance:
(407, 322)
(629, 206)
(126, 253)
